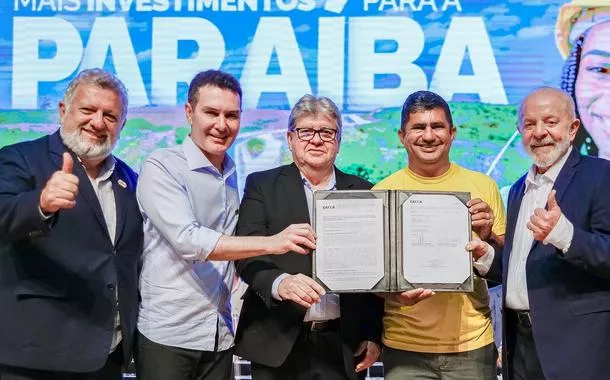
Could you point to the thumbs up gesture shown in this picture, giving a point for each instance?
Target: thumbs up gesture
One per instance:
(61, 189)
(543, 221)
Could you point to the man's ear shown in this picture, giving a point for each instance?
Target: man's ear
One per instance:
(188, 110)
(289, 138)
(401, 134)
(574, 129)
(62, 110)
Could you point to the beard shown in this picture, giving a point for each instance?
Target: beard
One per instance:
(545, 160)
(84, 148)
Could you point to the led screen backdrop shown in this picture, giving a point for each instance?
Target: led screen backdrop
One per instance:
(367, 55)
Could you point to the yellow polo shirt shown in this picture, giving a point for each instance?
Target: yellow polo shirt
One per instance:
(446, 322)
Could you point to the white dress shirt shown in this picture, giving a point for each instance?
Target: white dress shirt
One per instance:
(187, 205)
(102, 186)
(537, 190)
(328, 307)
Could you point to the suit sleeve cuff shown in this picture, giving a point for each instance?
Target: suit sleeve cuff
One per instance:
(276, 285)
(44, 216)
(483, 264)
(561, 235)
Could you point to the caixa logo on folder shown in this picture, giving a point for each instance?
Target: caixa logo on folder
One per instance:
(327, 207)
(415, 201)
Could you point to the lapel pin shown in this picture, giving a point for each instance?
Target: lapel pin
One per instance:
(122, 183)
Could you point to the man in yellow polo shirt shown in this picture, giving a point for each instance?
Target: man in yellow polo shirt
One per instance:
(448, 335)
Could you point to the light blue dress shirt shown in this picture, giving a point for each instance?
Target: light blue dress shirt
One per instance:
(187, 205)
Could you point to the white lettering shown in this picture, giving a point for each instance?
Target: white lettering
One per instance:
(228, 5)
(167, 69)
(24, 4)
(431, 3)
(455, 3)
(161, 5)
(307, 5)
(109, 5)
(111, 34)
(384, 3)
(364, 63)
(206, 4)
(29, 69)
(331, 58)
(274, 34)
(72, 5)
(143, 5)
(468, 34)
(369, 2)
(46, 3)
(286, 5)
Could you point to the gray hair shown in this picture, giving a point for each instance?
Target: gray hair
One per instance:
(566, 99)
(310, 105)
(102, 79)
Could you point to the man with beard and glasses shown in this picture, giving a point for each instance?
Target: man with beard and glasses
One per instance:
(555, 266)
(70, 241)
(449, 335)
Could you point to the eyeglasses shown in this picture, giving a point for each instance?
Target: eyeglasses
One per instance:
(307, 134)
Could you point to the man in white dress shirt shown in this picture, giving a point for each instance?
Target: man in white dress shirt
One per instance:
(556, 262)
(189, 202)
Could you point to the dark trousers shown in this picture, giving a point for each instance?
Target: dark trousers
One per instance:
(316, 355)
(477, 364)
(526, 365)
(110, 371)
(156, 361)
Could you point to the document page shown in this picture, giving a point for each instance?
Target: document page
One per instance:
(436, 229)
(350, 245)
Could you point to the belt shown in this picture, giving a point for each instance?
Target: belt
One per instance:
(523, 318)
(329, 325)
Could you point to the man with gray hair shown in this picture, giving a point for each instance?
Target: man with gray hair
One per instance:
(555, 265)
(70, 242)
(289, 328)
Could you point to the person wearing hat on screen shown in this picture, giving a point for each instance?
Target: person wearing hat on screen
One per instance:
(583, 38)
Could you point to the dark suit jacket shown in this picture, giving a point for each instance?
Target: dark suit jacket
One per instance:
(569, 294)
(58, 277)
(268, 329)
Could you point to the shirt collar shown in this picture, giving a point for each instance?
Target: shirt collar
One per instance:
(195, 159)
(332, 183)
(106, 170)
(550, 175)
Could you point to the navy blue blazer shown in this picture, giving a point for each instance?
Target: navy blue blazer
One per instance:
(58, 277)
(569, 294)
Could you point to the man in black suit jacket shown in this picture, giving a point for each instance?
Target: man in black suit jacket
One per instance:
(288, 327)
(70, 241)
(555, 266)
